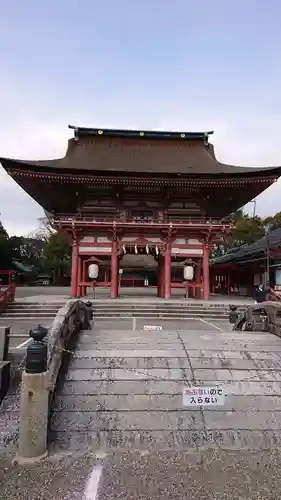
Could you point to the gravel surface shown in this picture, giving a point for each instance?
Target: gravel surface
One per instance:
(131, 475)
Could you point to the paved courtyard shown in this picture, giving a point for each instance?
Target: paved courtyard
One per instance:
(49, 293)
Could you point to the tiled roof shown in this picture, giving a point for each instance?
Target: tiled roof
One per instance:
(130, 152)
(247, 252)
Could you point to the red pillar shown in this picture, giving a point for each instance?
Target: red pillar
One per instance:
(79, 273)
(206, 277)
(84, 277)
(167, 274)
(161, 278)
(198, 279)
(73, 286)
(114, 271)
(229, 283)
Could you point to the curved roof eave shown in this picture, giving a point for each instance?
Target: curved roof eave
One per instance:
(202, 161)
(64, 166)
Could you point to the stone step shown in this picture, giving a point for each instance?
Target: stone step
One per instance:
(152, 307)
(130, 363)
(21, 314)
(24, 321)
(161, 315)
(118, 402)
(112, 439)
(152, 311)
(17, 310)
(174, 440)
(148, 402)
(26, 305)
(99, 374)
(167, 309)
(162, 303)
(126, 420)
(160, 309)
(32, 305)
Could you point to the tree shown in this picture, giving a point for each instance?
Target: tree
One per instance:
(57, 255)
(44, 231)
(275, 220)
(247, 229)
(5, 256)
(3, 231)
(28, 251)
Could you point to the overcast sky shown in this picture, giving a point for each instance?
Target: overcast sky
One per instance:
(179, 65)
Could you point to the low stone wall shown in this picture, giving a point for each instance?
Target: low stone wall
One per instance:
(41, 373)
(265, 316)
(70, 319)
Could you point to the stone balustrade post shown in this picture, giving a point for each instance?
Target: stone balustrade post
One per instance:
(34, 406)
(5, 365)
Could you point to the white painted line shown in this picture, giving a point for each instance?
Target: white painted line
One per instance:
(91, 490)
(25, 343)
(211, 324)
(134, 323)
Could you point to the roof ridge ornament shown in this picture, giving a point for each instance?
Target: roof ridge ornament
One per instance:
(76, 133)
(133, 133)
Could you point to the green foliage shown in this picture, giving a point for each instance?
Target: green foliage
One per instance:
(56, 257)
(247, 229)
(3, 231)
(51, 254)
(5, 257)
(274, 221)
(28, 251)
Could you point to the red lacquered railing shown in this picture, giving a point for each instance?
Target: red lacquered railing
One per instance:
(118, 220)
(7, 295)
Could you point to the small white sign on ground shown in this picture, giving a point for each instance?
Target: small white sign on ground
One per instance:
(152, 327)
(203, 396)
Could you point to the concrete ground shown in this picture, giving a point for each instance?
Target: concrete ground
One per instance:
(50, 293)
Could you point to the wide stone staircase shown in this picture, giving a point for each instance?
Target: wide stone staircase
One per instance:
(123, 387)
(22, 315)
(168, 309)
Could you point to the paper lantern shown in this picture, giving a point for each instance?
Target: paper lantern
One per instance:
(93, 271)
(188, 273)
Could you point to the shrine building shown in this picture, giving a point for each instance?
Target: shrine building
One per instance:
(159, 200)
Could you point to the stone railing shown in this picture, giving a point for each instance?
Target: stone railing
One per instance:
(5, 365)
(265, 317)
(273, 295)
(42, 367)
(70, 319)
